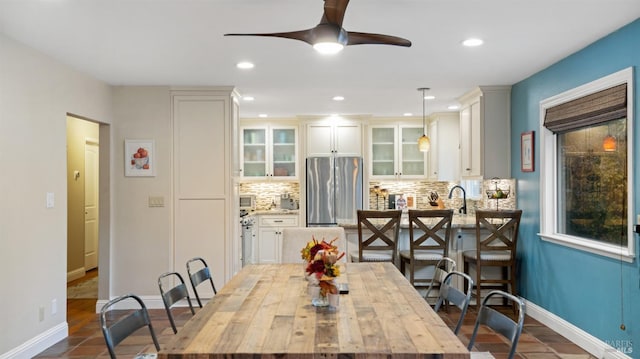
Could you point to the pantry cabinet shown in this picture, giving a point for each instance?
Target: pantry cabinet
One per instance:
(393, 151)
(444, 129)
(485, 132)
(334, 139)
(269, 241)
(269, 152)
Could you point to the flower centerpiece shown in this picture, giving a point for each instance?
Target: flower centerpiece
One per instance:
(322, 267)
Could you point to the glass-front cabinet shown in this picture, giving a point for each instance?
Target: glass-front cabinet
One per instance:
(269, 152)
(394, 152)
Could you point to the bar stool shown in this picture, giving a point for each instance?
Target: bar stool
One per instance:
(381, 245)
(496, 240)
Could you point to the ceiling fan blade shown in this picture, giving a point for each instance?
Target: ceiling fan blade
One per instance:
(302, 35)
(363, 38)
(334, 11)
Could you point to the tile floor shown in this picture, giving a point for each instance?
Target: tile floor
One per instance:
(85, 339)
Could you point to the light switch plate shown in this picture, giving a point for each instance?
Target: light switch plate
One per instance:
(50, 199)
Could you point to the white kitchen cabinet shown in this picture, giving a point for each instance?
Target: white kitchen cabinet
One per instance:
(485, 133)
(394, 152)
(329, 139)
(269, 241)
(444, 130)
(269, 152)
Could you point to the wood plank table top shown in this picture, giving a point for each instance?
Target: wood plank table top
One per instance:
(265, 311)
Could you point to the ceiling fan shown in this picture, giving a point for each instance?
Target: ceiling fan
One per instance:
(330, 37)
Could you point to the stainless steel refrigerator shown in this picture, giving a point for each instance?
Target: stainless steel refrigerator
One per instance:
(334, 190)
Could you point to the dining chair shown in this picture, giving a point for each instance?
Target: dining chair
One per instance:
(174, 295)
(117, 327)
(496, 243)
(500, 322)
(380, 245)
(197, 276)
(449, 294)
(444, 266)
(429, 237)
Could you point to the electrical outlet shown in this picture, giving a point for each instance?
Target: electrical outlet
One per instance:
(41, 313)
(54, 307)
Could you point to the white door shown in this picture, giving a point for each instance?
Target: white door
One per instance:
(91, 152)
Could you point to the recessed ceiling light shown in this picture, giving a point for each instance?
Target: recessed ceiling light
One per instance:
(472, 42)
(248, 98)
(453, 107)
(244, 65)
(338, 98)
(407, 114)
(262, 115)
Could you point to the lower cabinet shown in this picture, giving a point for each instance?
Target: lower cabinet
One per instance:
(269, 241)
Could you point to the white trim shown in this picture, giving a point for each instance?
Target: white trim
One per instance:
(548, 175)
(586, 341)
(39, 343)
(75, 274)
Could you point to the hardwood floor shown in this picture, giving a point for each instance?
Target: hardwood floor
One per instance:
(86, 341)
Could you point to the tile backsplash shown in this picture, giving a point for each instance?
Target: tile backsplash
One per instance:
(266, 192)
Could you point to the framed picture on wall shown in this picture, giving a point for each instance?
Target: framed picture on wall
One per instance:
(526, 151)
(139, 158)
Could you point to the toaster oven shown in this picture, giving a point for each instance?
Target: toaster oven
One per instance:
(248, 202)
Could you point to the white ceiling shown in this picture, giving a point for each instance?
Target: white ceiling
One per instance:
(181, 42)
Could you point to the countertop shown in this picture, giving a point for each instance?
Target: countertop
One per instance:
(459, 221)
(276, 211)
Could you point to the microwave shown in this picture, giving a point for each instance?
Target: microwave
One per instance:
(247, 202)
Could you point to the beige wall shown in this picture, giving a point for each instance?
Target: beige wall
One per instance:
(36, 93)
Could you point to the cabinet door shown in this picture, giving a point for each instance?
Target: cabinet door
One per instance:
(283, 152)
(319, 140)
(434, 152)
(383, 151)
(254, 152)
(348, 140)
(412, 161)
(269, 245)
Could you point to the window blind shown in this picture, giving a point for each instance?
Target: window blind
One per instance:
(598, 107)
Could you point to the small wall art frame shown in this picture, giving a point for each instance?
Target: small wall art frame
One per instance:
(527, 151)
(139, 158)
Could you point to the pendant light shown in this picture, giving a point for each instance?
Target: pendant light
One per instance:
(424, 143)
(609, 144)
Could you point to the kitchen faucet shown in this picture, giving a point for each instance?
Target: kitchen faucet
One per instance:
(462, 209)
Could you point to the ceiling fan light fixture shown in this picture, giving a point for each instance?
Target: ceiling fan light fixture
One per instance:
(328, 48)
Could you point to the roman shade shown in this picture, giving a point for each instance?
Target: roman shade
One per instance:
(598, 107)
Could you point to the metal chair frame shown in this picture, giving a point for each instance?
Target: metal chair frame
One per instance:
(499, 322)
(440, 272)
(121, 328)
(450, 294)
(199, 276)
(174, 295)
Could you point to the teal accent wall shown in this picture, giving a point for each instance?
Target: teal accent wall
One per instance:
(582, 288)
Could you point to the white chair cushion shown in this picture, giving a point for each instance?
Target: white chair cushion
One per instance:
(373, 256)
(489, 256)
(423, 255)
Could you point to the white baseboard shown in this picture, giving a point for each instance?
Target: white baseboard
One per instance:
(75, 274)
(586, 341)
(39, 343)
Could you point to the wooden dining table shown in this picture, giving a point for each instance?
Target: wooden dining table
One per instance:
(264, 311)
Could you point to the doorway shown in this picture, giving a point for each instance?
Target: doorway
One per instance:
(83, 173)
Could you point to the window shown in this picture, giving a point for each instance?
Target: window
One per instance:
(586, 185)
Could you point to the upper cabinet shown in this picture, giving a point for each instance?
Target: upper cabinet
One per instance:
(269, 152)
(334, 139)
(444, 129)
(394, 151)
(485, 132)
